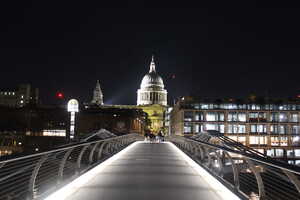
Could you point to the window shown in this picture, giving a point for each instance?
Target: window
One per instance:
(283, 129)
(204, 106)
(242, 117)
(279, 152)
(253, 117)
(57, 133)
(260, 150)
(290, 153)
(188, 116)
(211, 127)
(275, 141)
(271, 152)
(258, 128)
(187, 128)
(198, 116)
(233, 138)
(258, 140)
(297, 152)
(295, 141)
(221, 116)
(274, 117)
(283, 141)
(294, 117)
(242, 139)
(211, 116)
(232, 117)
(283, 117)
(222, 128)
(236, 128)
(295, 129)
(197, 128)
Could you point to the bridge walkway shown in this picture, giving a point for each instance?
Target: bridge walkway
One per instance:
(149, 172)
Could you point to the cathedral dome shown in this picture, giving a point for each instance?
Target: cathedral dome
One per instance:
(152, 79)
(152, 88)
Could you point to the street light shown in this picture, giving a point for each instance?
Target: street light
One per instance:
(73, 107)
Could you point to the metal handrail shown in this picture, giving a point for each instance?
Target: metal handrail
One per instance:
(34, 176)
(247, 175)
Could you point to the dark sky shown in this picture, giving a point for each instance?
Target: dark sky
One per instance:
(215, 49)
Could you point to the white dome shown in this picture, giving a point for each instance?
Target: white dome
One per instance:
(152, 89)
(152, 79)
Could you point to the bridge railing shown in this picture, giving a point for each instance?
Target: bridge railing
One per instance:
(248, 176)
(35, 176)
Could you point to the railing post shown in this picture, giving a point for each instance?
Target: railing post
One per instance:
(92, 153)
(34, 174)
(235, 172)
(293, 179)
(79, 158)
(62, 165)
(100, 150)
(260, 184)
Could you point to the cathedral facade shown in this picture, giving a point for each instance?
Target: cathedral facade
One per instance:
(152, 98)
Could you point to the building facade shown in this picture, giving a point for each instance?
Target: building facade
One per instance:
(97, 95)
(24, 94)
(270, 128)
(152, 98)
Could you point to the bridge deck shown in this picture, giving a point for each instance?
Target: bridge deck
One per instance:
(147, 171)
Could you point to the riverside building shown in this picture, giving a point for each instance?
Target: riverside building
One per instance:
(270, 126)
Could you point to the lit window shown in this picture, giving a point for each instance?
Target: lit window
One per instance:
(187, 128)
(242, 140)
(279, 152)
(211, 116)
(188, 116)
(294, 117)
(283, 117)
(271, 152)
(275, 141)
(297, 152)
(211, 127)
(258, 140)
(242, 117)
(290, 153)
(260, 150)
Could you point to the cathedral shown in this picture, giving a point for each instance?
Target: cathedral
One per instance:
(152, 98)
(152, 88)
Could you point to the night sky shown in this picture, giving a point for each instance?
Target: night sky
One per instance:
(214, 49)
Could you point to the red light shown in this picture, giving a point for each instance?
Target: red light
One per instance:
(60, 95)
(298, 95)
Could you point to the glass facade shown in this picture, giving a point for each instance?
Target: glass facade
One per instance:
(272, 129)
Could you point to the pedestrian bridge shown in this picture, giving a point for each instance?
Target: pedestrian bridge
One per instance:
(146, 171)
(126, 167)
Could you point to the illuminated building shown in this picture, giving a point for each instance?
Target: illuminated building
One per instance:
(152, 88)
(97, 95)
(271, 127)
(152, 98)
(118, 119)
(19, 97)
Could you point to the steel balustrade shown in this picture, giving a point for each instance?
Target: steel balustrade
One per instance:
(247, 175)
(35, 176)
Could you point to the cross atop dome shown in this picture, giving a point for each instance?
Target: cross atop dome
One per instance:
(152, 65)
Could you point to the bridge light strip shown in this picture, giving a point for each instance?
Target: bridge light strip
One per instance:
(75, 185)
(217, 186)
